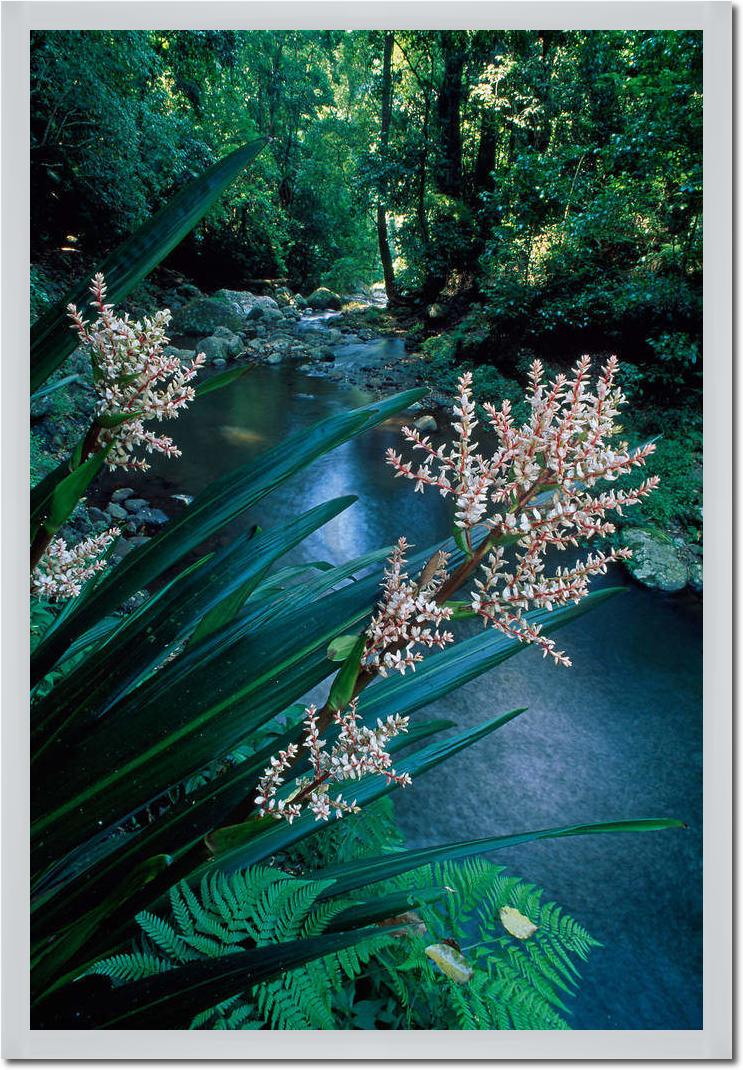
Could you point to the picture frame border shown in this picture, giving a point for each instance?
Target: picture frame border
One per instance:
(714, 1040)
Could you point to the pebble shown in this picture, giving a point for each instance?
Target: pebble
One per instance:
(121, 494)
(118, 512)
(135, 504)
(155, 517)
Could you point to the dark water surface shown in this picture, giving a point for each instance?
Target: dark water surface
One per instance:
(617, 736)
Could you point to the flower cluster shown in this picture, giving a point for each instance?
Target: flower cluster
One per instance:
(356, 752)
(404, 616)
(63, 569)
(132, 374)
(535, 491)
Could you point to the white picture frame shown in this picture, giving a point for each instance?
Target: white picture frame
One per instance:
(714, 1040)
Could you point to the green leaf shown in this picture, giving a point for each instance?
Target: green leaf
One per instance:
(143, 641)
(111, 420)
(216, 382)
(62, 497)
(351, 875)
(212, 510)
(52, 388)
(169, 1000)
(342, 689)
(340, 648)
(51, 336)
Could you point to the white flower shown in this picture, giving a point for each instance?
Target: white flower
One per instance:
(358, 751)
(63, 569)
(131, 373)
(558, 456)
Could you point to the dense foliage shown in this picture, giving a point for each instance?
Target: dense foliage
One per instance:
(553, 177)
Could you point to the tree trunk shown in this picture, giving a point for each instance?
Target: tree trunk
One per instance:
(385, 253)
(449, 109)
(485, 162)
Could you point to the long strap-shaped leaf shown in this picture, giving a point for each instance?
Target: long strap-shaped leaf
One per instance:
(353, 875)
(101, 903)
(169, 1000)
(179, 721)
(239, 845)
(111, 671)
(51, 337)
(221, 503)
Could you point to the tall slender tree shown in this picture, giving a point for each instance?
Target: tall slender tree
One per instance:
(385, 252)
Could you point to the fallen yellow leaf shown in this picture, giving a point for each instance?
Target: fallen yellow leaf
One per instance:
(516, 923)
(451, 962)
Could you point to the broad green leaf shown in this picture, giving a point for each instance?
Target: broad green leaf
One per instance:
(178, 832)
(146, 638)
(51, 337)
(62, 497)
(341, 647)
(341, 691)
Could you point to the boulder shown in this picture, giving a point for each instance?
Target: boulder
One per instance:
(426, 423)
(274, 358)
(222, 345)
(201, 317)
(215, 348)
(696, 575)
(299, 301)
(322, 299)
(284, 297)
(249, 306)
(184, 355)
(655, 561)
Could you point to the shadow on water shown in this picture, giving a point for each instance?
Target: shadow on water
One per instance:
(616, 736)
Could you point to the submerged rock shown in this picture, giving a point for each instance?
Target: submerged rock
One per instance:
(222, 345)
(655, 561)
(426, 423)
(117, 512)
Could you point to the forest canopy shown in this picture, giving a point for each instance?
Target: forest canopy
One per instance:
(553, 178)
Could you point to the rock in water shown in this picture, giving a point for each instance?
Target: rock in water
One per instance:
(655, 561)
(426, 423)
(222, 345)
(323, 299)
(201, 317)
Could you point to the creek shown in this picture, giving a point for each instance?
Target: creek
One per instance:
(619, 735)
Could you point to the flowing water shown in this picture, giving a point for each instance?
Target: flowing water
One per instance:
(616, 736)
